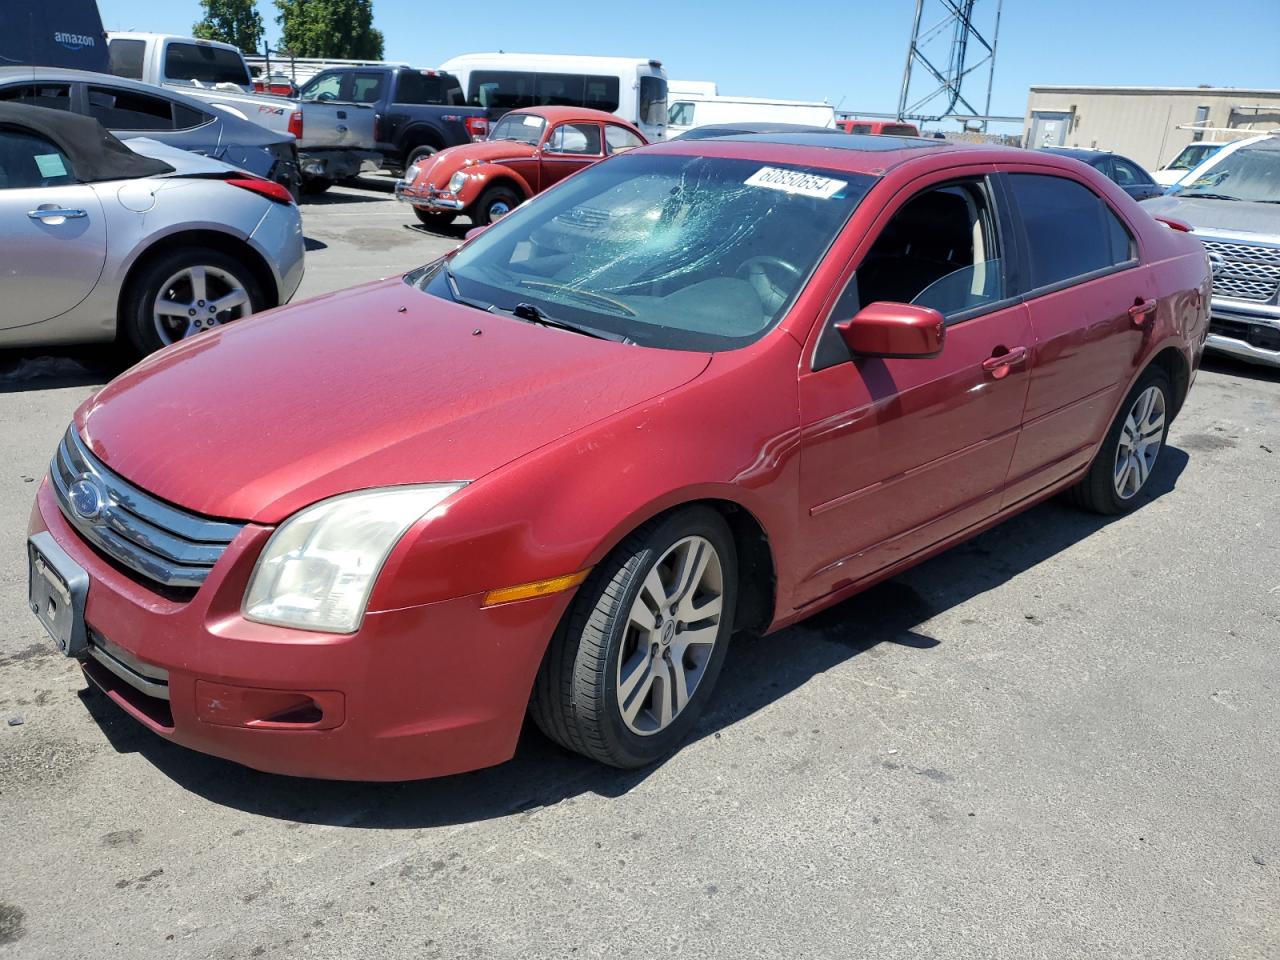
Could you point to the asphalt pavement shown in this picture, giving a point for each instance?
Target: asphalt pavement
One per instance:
(1061, 740)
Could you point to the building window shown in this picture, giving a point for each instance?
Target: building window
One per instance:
(1202, 118)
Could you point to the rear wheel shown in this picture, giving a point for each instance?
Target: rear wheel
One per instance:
(188, 291)
(494, 204)
(419, 153)
(636, 658)
(1131, 449)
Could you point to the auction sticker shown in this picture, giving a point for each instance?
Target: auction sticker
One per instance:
(796, 181)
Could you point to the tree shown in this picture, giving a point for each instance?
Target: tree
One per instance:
(231, 21)
(335, 29)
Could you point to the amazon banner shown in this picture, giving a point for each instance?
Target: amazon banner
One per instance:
(53, 33)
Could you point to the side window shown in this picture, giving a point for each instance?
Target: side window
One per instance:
(1070, 230)
(27, 160)
(420, 88)
(619, 139)
(187, 118)
(126, 57)
(506, 90)
(366, 87)
(558, 90)
(1129, 174)
(127, 110)
(55, 96)
(582, 139)
(681, 114)
(600, 93)
(940, 250)
(327, 87)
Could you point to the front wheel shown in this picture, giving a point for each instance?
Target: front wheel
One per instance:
(434, 220)
(634, 662)
(1127, 458)
(188, 291)
(494, 204)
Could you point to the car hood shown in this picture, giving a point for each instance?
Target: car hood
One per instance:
(1214, 216)
(447, 162)
(377, 385)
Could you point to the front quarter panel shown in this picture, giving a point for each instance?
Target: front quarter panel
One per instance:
(731, 434)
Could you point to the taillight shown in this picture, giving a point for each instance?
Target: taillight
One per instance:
(295, 123)
(478, 127)
(267, 188)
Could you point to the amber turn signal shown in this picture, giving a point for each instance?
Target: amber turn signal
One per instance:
(539, 588)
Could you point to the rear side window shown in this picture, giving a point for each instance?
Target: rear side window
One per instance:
(619, 139)
(575, 138)
(415, 87)
(127, 110)
(1128, 174)
(27, 160)
(1070, 231)
(54, 96)
(126, 57)
(204, 64)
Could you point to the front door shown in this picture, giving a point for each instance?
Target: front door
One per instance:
(1087, 294)
(568, 148)
(899, 454)
(55, 238)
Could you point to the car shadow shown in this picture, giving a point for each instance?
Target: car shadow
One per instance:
(335, 197)
(451, 231)
(311, 243)
(1230, 366)
(759, 672)
(50, 368)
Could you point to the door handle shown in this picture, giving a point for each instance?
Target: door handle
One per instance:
(1000, 365)
(55, 213)
(1139, 312)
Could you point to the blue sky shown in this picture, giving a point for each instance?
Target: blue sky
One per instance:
(851, 53)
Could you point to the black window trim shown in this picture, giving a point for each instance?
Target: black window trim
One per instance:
(1011, 260)
(80, 105)
(1025, 292)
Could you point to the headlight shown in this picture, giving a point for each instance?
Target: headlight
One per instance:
(457, 182)
(319, 567)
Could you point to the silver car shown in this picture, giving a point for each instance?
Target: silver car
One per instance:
(144, 241)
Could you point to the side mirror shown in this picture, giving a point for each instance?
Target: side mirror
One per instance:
(475, 232)
(894, 330)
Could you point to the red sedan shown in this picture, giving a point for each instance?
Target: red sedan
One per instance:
(527, 151)
(705, 387)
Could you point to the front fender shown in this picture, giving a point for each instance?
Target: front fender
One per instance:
(484, 175)
(730, 434)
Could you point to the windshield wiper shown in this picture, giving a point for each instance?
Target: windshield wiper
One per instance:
(533, 314)
(1207, 196)
(580, 294)
(457, 295)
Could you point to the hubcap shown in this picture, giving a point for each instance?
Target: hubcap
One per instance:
(499, 208)
(1140, 440)
(670, 634)
(196, 299)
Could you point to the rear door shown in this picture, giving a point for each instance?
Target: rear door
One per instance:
(567, 149)
(900, 454)
(55, 238)
(1086, 291)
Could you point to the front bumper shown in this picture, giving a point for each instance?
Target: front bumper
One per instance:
(429, 199)
(422, 691)
(1244, 330)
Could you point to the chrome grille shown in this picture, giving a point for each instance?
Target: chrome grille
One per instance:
(163, 543)
(1247, 271)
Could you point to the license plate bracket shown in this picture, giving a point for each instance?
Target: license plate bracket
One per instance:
(57, 588)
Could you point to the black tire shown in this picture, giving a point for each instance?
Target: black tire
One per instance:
(137, 322)
(575, 697)
(314, 186)
(420, 152)
(434, 220)
(483, 211)
(1097, 490)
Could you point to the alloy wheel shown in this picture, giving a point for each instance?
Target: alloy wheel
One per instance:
(196, 299)
(1140, 440)
(670, 634)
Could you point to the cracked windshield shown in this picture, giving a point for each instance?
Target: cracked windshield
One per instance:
(687, 252)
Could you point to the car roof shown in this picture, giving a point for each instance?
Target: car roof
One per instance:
(850, 152)
(737, 129)
(95, 154)
(1080, 153)
(64, 75)
(557, 114)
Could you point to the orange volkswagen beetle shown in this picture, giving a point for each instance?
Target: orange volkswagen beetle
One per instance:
(526, 152)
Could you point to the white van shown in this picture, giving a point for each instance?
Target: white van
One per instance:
(688, 111)
(635, 90)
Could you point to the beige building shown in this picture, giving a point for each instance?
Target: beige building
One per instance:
(1147, 124)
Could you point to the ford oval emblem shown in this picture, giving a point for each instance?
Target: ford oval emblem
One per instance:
(88, 499)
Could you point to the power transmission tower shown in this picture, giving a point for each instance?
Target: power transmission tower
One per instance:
(942, 57)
